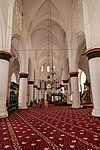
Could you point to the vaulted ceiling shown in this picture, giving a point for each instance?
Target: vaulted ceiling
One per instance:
(51, 25)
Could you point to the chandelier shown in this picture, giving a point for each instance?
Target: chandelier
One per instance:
(50, 47)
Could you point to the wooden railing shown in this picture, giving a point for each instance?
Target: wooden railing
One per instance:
(12, 107)
(85, 98)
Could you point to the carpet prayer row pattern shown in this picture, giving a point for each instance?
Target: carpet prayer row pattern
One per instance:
(52, 128)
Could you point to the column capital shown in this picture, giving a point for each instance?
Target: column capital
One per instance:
(35, 86)
(65, 81)
(93, 53)
(61, 85)
(5, 55)
(38, 88)
(30, 82)
(23, 75)
(73, 74)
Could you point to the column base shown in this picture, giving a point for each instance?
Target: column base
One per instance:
(75, 106)
(69, 102)
(28, 104)
(22, 107)
(3, 114)
(96, 112)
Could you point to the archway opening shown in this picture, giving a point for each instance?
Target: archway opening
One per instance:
(13, 78)
(81, 80)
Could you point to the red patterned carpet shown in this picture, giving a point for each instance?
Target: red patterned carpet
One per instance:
(54, 128)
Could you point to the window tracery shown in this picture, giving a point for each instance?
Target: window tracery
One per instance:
(19, 14)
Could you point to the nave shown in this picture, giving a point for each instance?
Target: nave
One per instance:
(52, 128)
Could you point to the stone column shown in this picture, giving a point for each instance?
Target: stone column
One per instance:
(69, 94)
(22, 100)
(94, 67)
(30, 85)
(4, 71)
(39, 93)
(62, 89)
(45, 94)
(67, 85)
(35, 92)
(75, 89)
(57, 93)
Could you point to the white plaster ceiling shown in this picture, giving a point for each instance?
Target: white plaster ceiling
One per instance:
(45, 19)
(47, 32)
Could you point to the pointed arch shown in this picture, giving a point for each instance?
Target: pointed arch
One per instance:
(18, 46)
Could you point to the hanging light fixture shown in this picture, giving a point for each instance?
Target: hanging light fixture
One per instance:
(50, 46)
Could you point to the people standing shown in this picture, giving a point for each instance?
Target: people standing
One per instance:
(46, 103)
(40, 103)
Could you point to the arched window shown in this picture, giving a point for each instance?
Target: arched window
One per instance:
(16, 10)
(19, 13)
(82, 80)
(42, 68)
(48, 68)
(54, 68)
(13, 78)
